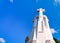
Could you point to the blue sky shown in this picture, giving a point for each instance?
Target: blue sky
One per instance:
(16, 18)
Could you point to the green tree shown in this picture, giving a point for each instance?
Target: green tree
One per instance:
(57, 41)
(26, 39)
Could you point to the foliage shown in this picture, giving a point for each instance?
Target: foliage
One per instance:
(57, 41)
(26, 39)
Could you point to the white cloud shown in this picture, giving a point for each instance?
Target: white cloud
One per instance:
(57, 2)
(2, 40)
(53, 31)
(11, 1)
